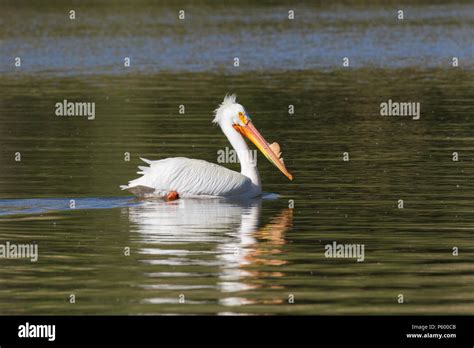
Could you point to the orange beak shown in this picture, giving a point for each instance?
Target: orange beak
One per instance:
(255, 137)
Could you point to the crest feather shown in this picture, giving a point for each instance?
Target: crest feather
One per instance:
(229, 99)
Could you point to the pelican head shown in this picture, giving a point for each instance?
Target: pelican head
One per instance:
(231, 113)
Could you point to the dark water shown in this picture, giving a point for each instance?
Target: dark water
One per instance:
(239, 257)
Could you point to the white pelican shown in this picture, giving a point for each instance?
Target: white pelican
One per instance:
(176, 177)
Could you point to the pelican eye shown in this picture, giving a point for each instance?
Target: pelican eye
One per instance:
(244, 118)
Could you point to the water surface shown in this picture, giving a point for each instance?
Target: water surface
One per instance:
(230, 257)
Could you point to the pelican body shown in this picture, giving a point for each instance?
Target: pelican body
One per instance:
(176, 177)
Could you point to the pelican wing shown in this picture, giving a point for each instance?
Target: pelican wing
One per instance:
(190, 178)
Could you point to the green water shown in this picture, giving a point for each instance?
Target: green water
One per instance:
(242, 258)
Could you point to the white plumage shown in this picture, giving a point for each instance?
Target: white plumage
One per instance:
(196, 178)
(191, 178)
